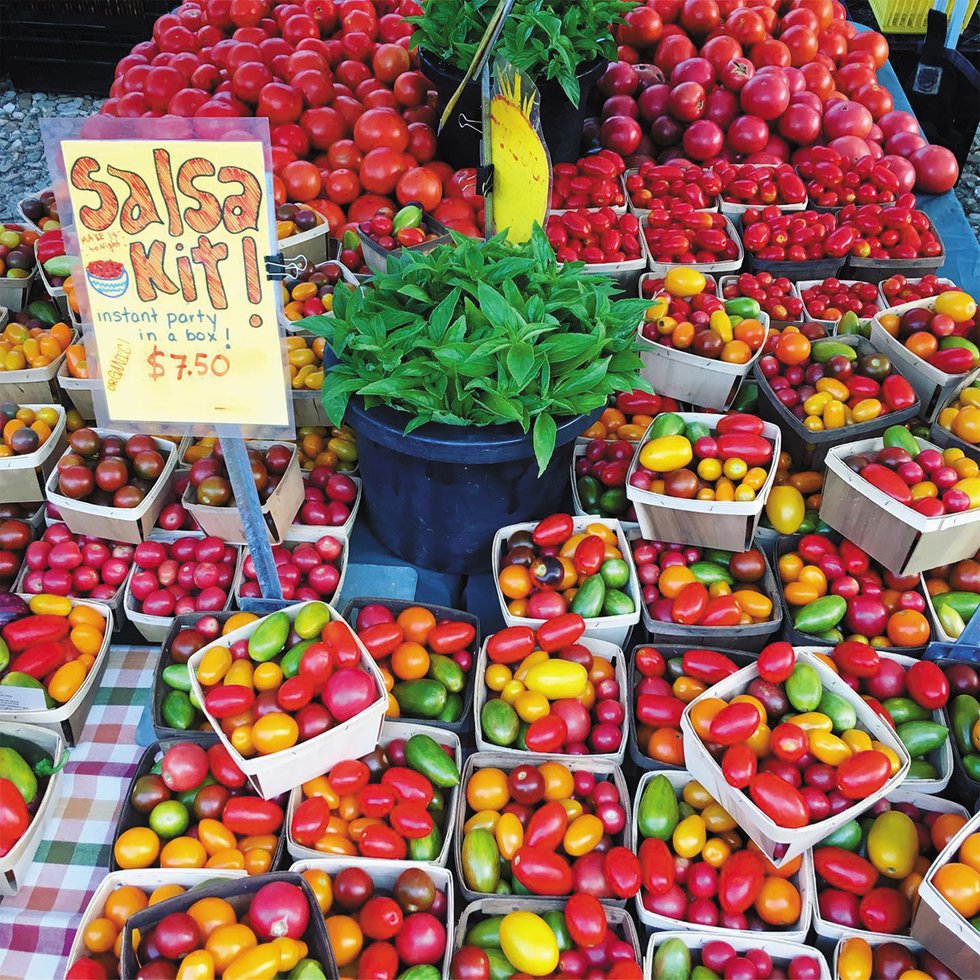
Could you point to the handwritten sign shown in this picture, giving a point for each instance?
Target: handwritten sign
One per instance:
(172, 238)
(521, 190)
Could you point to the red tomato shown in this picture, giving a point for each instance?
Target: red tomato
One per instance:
(542, 872)
(586, 920)
(419, 184)
(781, 802)
(740, 881)
(184, 766)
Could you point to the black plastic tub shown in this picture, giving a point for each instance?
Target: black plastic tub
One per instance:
(464, 726)
(238, 892)
(130, 817)
(437, 496)
(809, 449)
(561, 122)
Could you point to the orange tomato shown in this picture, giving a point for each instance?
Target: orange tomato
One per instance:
(416, 623)
(183, 852)
(945, 828)
(666, 745)
(908, 628)
(346, 938)
(257, 861)
(163, 892)
(322, 886)
(123, 903)
(969, 849)
(230, 859)
(558, 781)
(703, 713)
(736, 352)
(215, 836)
(959, 884)
(922, 343)
(792, 348)
(488, 790)
(137, 847)
(274, 732)
(100, 935)
(779, 902)
(410, 661)
(515, 581)
(212, 913)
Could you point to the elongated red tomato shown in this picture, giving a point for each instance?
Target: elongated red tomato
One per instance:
(657, 866)
(251, 816)
(739, 422)
(511, 645)
(562, 631)
(380, 841)
(553, 530)
(708, 665)
(739, 765)
(381, 639)
(753, 449)
(776, 662)
(782, 803)
(690, 604)
(856, 658)
(844, 869)
(586, 920)
(224, 768)
(450, 638)
(547, 734)
(734, 723)
(659, 710)
(621, 868)
(547, 826)
(863, 773)
(310, 820)
(411, 820)
(740, 881)
(542, 872)
(409, 786)
(887, 481)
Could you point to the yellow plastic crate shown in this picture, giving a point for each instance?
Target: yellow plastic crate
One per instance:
(910, 16)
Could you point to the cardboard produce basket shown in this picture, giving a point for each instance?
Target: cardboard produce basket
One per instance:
(384, 874)
(31, 385)
(655, 922)
(795, 271)
(641, 760)
(376, 258)
(313, 532)
(580, 511)
(945, 439)
(603, 772)
(277, 512)
(78, 391)
(22, 704)
(160, 688)
(809, 449)
(877, 270)
(129, 817)
(128, 524)
(613, 629)
(14, 292)
(617, 919)
(725, 265)
(598, 648)
(794, 291)
(147, 880)
(899, 537)
(273, 774)
(688, 377)
(314, 244)
(706, 523)
(938, 926)
(769, 836)
(22, 478)
(238, 892)
(884, 302)
(390, 731)
(464, 726)
(933, 386)
(781, 950)
(830, 932)
(750, 638)
(23, 219)
(879, 939)
(33, 743)
(831, 325)
(154, 629)
(789, 542)
(236, 591)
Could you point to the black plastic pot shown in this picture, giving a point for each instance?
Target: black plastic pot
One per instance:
(561, 122)
(437, 496)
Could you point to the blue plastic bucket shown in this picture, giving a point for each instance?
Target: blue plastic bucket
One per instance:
(437, 496)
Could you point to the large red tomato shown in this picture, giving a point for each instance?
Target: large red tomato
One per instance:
(381, 128)
(872, 42)
(642, 28)
(765, 95)
(802, 44)
(748, 134)
(936, 169)
(845, 118)
(746, 26)
(382, 167)
(770, 52)
(281, 103)
(800, 124)
(720, 50)
(325, 126)
(700, 16)
(422, 185)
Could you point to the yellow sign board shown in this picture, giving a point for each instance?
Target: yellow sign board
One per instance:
(173, 237)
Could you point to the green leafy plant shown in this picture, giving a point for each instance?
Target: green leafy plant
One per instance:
(548, 39)
(482, 333)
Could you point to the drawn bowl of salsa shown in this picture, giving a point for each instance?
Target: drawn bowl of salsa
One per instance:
(107, 277)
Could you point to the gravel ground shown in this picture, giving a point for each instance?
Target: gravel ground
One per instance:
(23, 169)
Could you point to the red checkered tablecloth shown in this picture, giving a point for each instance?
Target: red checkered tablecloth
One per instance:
(37, 924)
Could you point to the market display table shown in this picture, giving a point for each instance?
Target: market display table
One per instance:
(37, 924)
